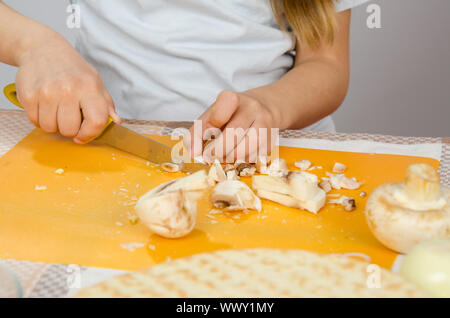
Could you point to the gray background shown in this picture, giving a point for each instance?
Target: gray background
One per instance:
(400, 76)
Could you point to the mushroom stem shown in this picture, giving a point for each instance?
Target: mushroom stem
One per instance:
(422, 183)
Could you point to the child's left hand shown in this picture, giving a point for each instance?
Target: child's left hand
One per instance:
(244, 111)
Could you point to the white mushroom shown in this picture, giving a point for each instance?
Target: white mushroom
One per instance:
(261, 165)
(228, 167)
(278, 168)
(170, 210)
(401, 215)
(233, 195)
(298, 190)
(339, 167)
(245, 170)
(347, 202)
(325, 185)
(304, 187)
(170, 167)
(340, 181)
(232, 175)
(216, 173)
(303, 164)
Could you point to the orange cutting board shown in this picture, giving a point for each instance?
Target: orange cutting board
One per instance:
(82, 216)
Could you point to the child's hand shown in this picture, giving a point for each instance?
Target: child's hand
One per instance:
(236, 110)
(54, 84)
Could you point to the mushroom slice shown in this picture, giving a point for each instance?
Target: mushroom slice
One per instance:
(278, 168)
(401, 215)
(347, 202)
(233, 195)
(232, 175)
(261, 165)
(303, 164)
(229, 167)
(216, 173)
(170, 167)
(339, 167)
(282, 199)
(325, 185)
(170, 210)
(299, 189)
(304, 187)
(245, 170)
(340, 181)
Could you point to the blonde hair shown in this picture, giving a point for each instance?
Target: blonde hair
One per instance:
(312, 21)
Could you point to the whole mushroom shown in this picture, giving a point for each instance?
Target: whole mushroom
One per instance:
(401, 215)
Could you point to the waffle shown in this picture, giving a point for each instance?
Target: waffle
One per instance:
(256, 273)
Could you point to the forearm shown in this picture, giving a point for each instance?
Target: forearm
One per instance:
(312, 90)
(20, 34)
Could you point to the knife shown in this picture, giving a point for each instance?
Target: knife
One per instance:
(122, 138)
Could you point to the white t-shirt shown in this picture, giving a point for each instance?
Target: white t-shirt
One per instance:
(169, 59)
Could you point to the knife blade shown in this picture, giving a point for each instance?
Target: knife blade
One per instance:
(127, 140)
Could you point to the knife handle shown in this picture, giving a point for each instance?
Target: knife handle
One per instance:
(11, 94)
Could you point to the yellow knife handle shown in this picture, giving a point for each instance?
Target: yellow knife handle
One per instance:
(11, 94)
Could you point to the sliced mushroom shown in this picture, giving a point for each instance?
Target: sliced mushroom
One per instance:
(229, 167)
(298, 189)
(233, 195)
(232, 175)
(339, 167)
(170, 210)
(340, 181)
(348, 203)
(216, 173)
(325, 185)
(245, 170)
(170, 167)
(303, 164)
(401, 215)
(304, 187)
(262, 165)
(278, 168)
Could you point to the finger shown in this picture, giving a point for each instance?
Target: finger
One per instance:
(258, 141)
(223, 109)
(193, 140)
(224, 147)
(216, 116)
(47, 116)
(95, 112)
(112, 108)
(29, 102)
(69, 118)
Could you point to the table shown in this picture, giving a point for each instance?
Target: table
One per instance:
(56, 280)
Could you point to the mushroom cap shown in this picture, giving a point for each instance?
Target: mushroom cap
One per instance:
(400, 228)
(171, 214)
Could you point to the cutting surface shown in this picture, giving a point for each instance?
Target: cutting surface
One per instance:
(83, 215)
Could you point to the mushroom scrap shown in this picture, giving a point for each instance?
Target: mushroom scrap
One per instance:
(401, 215)
(170, 209)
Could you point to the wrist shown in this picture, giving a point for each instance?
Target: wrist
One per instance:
(34, 41)
(268, 100)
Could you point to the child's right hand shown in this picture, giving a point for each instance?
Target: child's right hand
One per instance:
(55, 84)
